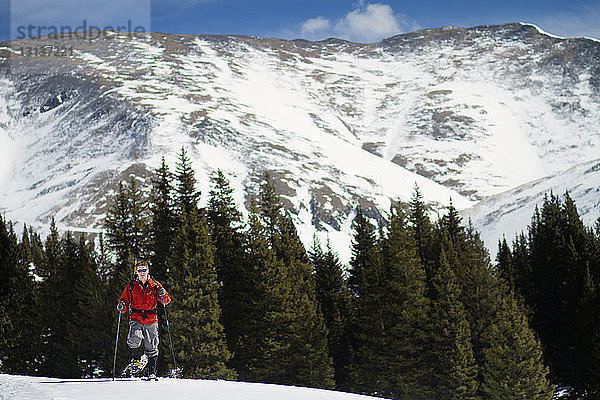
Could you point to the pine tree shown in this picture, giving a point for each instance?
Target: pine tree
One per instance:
(479, 289)
(451, 221)
(454, 374)
(423, 234)
(310, 363)
(523, 278)
(504, 264)
(224, 223)
(407, 309)
(18, 314)
(469, 260)
(591, 300)
(250, 327)
(269, 354)
(269, 207)
(163, 221)
(288, 338)
(587, 340)
(288, 342)
(25, 246)
(33, 250)
(58, 307)
(334, 299)
(364, 251)
(89, 336)
(140, 221)
(118, 226)
(547, 274)
(47, 298)
(103, 259)
(127, 225)
(192, 282)
(37, 249)
(514, 366)
(420, 222)
(369, 328)
(186, 194)
(222, 209)
(555, 272)
(110, 286)
(578, 312)
(558, 246)
(116, 279)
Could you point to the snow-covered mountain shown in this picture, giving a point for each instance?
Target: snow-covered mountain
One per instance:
(25, 387)
(510, 212)
(465, 113)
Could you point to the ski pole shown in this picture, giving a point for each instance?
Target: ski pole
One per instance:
(116, 346)
(169, 330)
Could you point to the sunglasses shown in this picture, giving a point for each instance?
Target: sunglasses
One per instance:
(142, 270)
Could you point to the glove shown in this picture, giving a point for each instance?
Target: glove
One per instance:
(121, 306)
(162, 291)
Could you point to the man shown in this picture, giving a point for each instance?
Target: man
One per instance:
(141, 297)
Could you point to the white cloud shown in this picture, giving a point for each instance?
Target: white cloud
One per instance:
(375, 22)
(367, 23)
(315, 26)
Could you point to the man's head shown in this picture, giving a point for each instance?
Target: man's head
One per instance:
(142, 270)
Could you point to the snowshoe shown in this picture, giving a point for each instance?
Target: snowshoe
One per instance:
(135, 367)
(176, 373)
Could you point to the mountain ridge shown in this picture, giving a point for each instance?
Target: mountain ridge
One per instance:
(509, 213)
(467, 113)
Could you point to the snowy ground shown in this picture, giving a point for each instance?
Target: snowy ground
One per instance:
(36, 388)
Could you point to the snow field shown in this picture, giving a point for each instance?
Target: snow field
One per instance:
(36, 388)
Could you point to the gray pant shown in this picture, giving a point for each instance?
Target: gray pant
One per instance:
(148, 333)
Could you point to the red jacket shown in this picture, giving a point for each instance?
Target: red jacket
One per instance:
(143, 298)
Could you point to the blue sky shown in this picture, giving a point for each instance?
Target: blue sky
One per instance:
(362, 20)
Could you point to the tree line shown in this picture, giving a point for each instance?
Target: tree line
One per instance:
(420, 313)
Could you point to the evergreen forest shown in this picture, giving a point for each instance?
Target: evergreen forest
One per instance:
(420, 312)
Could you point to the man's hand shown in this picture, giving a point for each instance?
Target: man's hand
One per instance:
(121, 306)
(162, 291)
